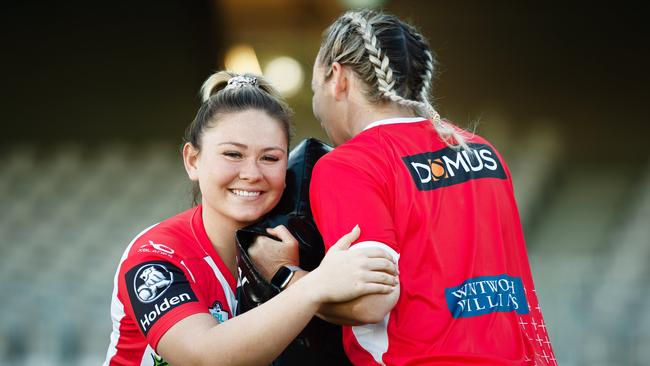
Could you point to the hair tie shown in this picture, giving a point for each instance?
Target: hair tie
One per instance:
(240, 81)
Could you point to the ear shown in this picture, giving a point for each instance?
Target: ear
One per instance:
(191, 160)
(340, 81)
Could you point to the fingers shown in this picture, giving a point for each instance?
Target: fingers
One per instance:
(347, 239)
(378, 260)
(375, 253)
(381, 278)
(282, 233)
(261, 249)
(375, 288)
(383, 265)
(262, 241)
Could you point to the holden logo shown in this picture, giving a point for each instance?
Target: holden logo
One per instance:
(151, 282)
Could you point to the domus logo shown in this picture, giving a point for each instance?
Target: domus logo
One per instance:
(446, 167)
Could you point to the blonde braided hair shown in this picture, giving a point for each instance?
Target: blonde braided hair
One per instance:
(342, 46)
(381, 63)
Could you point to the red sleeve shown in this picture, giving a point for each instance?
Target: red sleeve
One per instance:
(344, 193)
(157, 293)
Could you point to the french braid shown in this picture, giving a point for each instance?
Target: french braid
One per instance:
(381, 63)
(386, 80)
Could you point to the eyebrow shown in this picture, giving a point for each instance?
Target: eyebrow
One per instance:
(244, 146)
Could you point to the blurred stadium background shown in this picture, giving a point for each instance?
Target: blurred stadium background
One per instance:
(96, 96)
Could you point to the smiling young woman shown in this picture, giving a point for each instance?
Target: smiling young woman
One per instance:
(174, 296)
(240, 178)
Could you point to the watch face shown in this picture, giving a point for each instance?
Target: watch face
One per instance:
(281, 277)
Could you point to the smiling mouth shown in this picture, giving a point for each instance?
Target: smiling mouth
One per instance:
(242, 193)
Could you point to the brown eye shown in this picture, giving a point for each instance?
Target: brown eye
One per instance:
(270, 158)
(233, 154)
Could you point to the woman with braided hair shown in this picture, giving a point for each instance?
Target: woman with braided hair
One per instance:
(439, 200)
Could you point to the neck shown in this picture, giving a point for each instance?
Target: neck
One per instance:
(221, 232)
(365, 114)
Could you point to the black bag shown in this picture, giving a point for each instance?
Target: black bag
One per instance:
(320, 342)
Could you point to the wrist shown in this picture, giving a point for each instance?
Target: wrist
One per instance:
(297, 276)
(283, 276)
(309, 285)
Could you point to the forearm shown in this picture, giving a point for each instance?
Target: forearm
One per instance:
(339, 313)
(268, 330)
(367, 309)
(331, 312)
(253, 338)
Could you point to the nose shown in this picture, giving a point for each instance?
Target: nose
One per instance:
(250, 171)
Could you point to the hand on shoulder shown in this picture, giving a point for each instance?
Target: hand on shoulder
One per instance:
(346, 274)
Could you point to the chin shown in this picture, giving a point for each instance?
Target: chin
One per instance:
(247, 217)
(250, 212)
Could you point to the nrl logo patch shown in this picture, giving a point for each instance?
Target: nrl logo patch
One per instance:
(218, 313)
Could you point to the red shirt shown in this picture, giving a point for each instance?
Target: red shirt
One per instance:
(168, 272)
(467, 295)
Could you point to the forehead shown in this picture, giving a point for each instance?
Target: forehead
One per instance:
(249, 127)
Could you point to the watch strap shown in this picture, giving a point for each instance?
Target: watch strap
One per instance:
(283, 276)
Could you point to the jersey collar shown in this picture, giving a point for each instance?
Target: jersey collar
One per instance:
(202, 238)
(391, 121)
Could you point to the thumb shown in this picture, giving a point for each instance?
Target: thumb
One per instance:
(344, 242)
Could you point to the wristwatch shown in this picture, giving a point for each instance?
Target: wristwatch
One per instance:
(283, 276)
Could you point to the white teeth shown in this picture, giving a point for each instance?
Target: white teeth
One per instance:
(245, 193)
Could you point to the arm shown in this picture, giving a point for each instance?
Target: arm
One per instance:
(269, 255)
(258, 336)
(366, 200)
(368, 309)
(253, 338)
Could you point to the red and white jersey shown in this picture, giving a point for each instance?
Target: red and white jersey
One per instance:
(467, 294)
(168, 272)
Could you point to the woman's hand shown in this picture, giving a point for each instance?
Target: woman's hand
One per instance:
(269, 255)
(346, 274)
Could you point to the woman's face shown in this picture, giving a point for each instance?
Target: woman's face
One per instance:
(241, 166)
